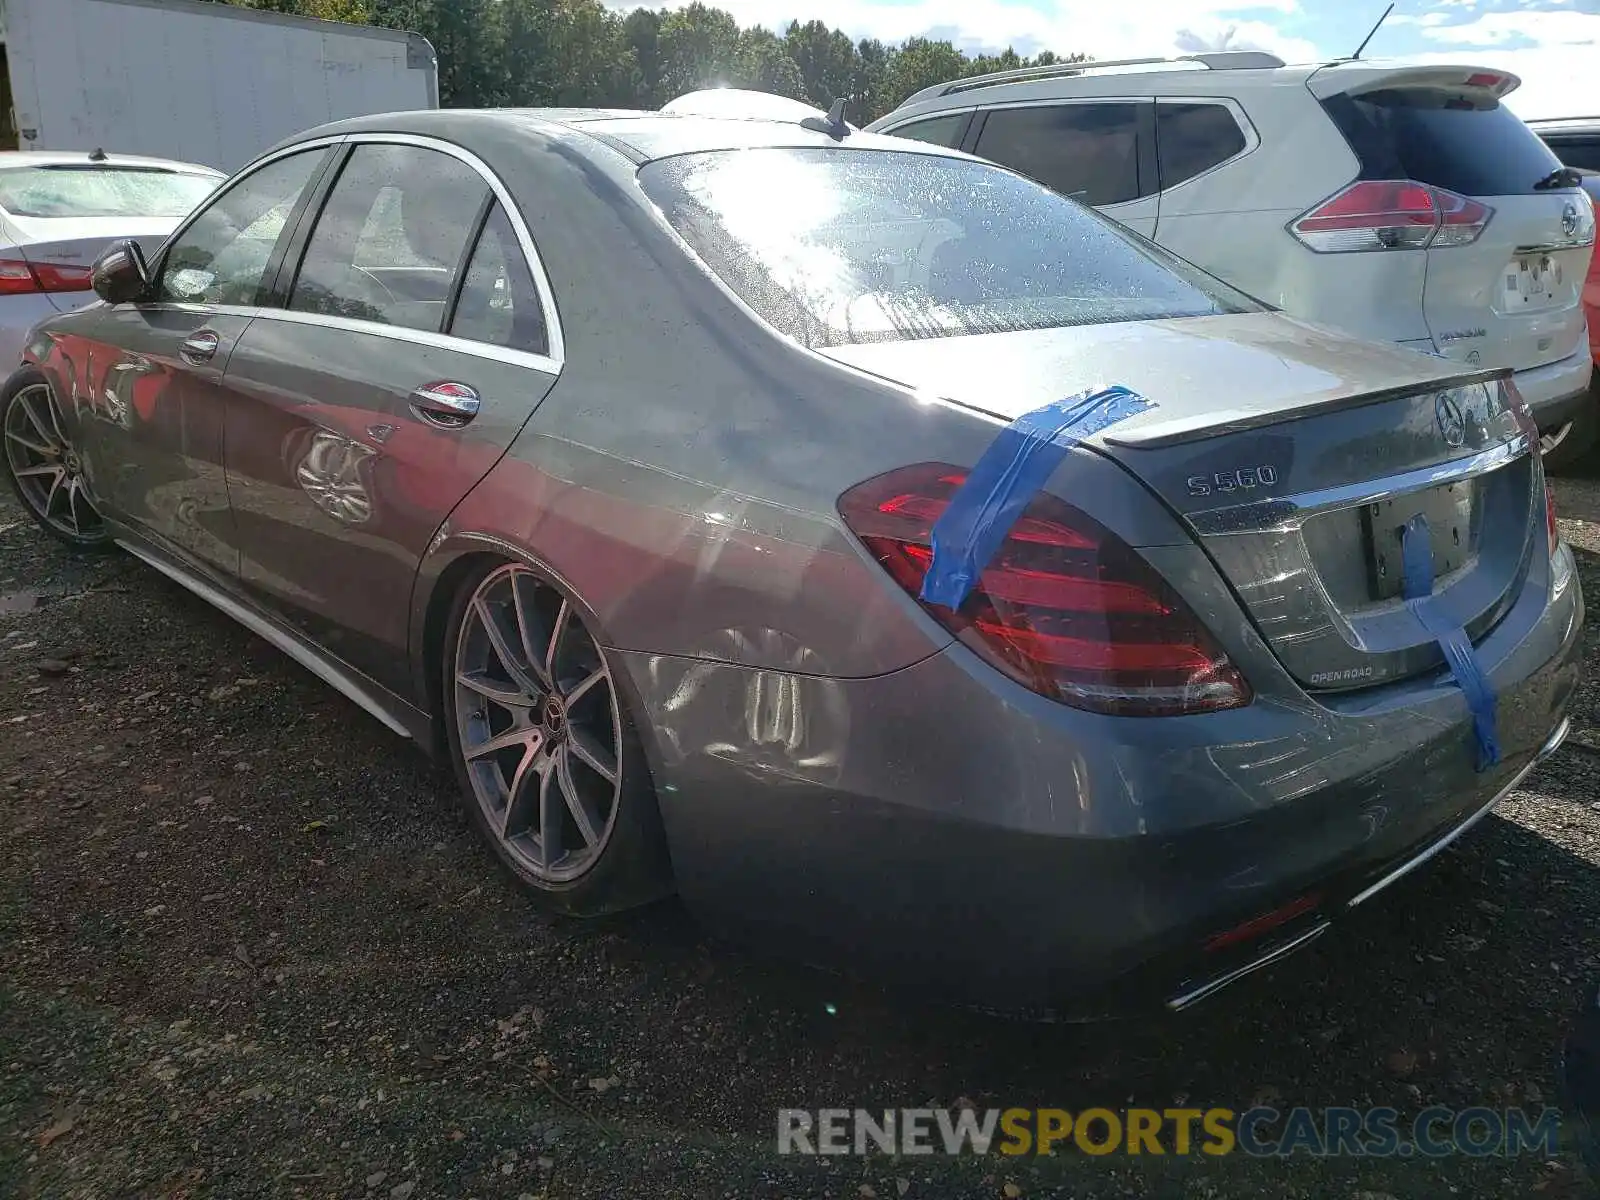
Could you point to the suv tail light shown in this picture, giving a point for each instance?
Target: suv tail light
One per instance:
(19, 276)
(1391, 214)
(1066, 608)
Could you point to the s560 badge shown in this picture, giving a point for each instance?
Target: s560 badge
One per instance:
(1242, 479)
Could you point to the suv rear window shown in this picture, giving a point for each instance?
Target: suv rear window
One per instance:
(840, 246)
(1449, 139)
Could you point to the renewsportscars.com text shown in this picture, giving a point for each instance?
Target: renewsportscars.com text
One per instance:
(1260, 1132)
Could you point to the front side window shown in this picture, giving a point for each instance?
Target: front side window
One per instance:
(390, 237)
(1087, 151)
(88, 191)
(841, 246)
(940, 131)
(222, 256)
(1193, 138)
(499, 302)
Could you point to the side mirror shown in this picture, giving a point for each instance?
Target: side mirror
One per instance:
(120, 274)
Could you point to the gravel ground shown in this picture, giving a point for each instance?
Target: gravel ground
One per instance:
(248, 947)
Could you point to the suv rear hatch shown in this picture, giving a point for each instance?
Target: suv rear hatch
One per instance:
(1506, 263)
(1293, 455)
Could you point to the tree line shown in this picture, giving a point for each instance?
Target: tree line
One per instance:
(536, 53)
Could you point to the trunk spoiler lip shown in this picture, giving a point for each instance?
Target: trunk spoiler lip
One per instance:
(1156, 434)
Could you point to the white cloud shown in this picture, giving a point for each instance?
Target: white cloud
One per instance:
(1096, 27)
(1557, 81)
(1217, 34)
(1545, 27)
(1426, 19)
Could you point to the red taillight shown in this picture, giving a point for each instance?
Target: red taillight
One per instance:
(18, 276)
(61, 279)
(1391, 214)
(1551, 529)
(1263, 924)
(1065, 607)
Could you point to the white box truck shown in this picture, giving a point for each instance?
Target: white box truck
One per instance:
(194, 81)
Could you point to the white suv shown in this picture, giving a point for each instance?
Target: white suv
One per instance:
(1399, 201)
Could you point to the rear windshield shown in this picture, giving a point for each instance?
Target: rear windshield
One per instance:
(835, 247)
(101, 191)
(1471, 146)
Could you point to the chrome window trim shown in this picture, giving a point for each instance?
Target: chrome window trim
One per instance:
(550, 363)
(402, 333)
(157, 260)
(556, 349)
(1289, 511)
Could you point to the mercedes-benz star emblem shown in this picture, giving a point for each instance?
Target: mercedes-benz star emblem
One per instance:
(1452, 425)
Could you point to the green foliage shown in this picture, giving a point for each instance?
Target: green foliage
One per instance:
(582, 53)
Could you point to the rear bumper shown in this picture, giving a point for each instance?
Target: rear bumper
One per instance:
(1319, 919)
(942, 829)
(1557, 391)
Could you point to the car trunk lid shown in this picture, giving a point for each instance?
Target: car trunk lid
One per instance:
(60, 251)
(1293, 456)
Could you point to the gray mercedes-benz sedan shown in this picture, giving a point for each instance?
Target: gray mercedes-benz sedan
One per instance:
(916, 571)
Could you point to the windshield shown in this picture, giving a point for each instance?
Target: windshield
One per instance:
(835, 247)
(72, 191)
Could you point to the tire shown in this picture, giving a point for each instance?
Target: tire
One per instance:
(528, 754)
(1574, 449)
(42, 465)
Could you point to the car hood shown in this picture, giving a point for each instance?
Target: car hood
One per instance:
(1205, 374)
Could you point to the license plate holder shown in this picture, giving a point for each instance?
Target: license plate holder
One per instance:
(1531, 282)
(1449, 512)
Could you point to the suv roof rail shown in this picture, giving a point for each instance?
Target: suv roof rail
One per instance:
(1219, 60)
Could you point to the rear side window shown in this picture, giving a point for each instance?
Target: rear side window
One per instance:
(879, 246)
(1449, 139)
(941, 131)
(1087, 151)
(1193, 138)
(499, 302)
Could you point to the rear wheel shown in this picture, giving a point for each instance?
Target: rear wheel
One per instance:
(1568, 446)
(43, 465)
(552, 772)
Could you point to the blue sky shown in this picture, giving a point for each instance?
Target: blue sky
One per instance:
(1554, 45)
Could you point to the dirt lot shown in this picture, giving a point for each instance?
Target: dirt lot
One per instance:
(248, 947)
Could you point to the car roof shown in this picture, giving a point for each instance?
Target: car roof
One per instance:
(1566, 125)
(80, 158)
(1226, 74)
(638, 134)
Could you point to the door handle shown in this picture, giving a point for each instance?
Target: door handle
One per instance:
(199, 347)
(446, 403)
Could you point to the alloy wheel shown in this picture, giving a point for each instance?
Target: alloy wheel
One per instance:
(1549, 441)
(538, 725)
(46, 467)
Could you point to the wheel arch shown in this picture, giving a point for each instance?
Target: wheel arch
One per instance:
(440, 579)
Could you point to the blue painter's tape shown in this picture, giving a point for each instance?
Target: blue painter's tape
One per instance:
(1416, 552)
(1017, 463)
